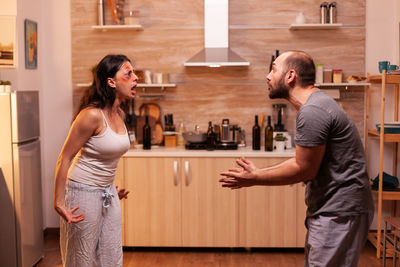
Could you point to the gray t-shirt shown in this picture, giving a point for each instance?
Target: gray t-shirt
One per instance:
(341, 186)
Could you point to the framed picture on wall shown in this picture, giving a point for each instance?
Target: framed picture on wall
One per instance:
(31, 42)
(7, 41)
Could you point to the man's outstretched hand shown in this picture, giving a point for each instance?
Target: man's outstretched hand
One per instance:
(243, 176)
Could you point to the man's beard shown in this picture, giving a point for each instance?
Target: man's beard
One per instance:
(280, 91)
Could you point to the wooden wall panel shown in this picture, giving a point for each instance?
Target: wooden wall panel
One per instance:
(173, 32)
(283, 12)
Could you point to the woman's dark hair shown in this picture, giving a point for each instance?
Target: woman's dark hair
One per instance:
(304, 66)
(100, 94)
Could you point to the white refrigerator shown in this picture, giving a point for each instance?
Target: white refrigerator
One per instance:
(21, 219)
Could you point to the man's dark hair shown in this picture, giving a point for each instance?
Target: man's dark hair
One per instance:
(304, 66)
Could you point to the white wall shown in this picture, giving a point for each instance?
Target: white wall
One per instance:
(52, 79)
(56, 112)
(382, 43)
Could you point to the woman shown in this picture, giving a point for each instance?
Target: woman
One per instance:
(86, 169)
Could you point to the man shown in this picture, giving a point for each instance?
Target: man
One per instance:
(329, 158)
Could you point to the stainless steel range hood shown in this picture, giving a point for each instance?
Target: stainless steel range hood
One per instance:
(216, 38)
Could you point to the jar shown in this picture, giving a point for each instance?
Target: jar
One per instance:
(337, 75)
(327, 75)
(319, 73)
(130, 17)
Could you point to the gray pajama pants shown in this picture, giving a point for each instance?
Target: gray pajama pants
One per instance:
(95, 241)
(336, 241)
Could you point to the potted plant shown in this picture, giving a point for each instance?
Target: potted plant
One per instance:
(280, 140)
(7, 86)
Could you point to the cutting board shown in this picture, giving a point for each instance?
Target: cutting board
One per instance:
(154, 112)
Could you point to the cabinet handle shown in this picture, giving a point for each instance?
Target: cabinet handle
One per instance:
(176, 172)
(187, 172)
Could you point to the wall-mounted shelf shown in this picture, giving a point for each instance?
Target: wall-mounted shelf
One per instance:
(155, 85)
(335, 91)
(117, 27)
(139, 85)
(317, 26)
(341, 84)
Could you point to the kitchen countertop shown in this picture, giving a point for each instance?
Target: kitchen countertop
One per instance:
(161, 151)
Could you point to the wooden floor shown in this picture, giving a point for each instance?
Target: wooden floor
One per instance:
(205, 257)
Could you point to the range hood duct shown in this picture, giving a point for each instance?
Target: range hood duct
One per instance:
(216, 38)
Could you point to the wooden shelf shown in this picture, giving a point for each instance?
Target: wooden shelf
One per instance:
(318, 26)
(155, 85)
(341, 84)
(388, 195)
(372, 237)
(117, 27)
(390, 79)
(386, 137)
(139, 85)
(381, 195)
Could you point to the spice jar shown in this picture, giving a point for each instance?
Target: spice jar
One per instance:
(319, 73)
(337, 75)
(327, 75)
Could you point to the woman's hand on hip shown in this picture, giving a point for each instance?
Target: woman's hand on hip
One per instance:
(122, 193)
(69, 215)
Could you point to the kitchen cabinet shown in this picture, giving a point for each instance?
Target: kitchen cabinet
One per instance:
(178, 201)
(383, 80)
(173, 203)
(272, 216)
(152, 214)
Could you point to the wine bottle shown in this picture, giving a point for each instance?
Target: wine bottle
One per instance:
(256, 135)
(210, 137)
(147, 134)
(269, 136)
(272, 61)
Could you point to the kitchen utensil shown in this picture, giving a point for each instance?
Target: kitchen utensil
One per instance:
(324, 9)
(112, 5)
(154, 113)
(225, 134)
(332, 13)
(279, 117)
(100, 12)
(261, 119)
(195, 137)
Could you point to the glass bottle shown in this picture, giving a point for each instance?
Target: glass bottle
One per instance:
(269, 134)
(272, 61)
(210, 137)
(146, 134)
(256, 135)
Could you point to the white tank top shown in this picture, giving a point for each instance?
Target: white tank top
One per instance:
(96, 162)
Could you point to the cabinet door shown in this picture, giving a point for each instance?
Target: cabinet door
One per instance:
(268, 213)
(209, 212)
(301, 215)
(153, 209)
(120, 182)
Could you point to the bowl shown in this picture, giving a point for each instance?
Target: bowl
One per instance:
(193, 137)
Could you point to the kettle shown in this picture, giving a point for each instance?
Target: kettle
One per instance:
(227, 132)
